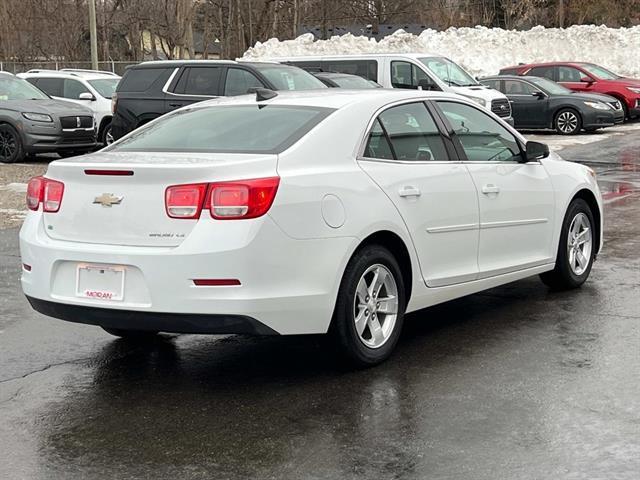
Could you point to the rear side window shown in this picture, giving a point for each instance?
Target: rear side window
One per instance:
(203, 81)
(226, 129)
(239, 82)
(361, 68)
(545, 72)
(378, 145)
(139, 79)
(52, 86)
(411, 133)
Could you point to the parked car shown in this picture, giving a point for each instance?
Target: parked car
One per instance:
(31, 122)
(587, 78)
(540, 103)
(91, 88)
(409, 71)
(345, 80)
(151, 89)
(246, 215)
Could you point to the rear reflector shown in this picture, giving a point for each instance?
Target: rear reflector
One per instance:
(185, 201)
(216, 282)
(117, 173)
(46, 191)
(26, 267)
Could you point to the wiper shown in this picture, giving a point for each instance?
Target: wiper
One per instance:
(451, 82)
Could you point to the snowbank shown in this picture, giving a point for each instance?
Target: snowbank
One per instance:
(482, 50)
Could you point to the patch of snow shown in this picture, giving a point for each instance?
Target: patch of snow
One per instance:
(15, 187)
(13, 213)
(481, 50)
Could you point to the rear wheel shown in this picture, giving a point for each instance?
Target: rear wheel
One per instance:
(576, 250)
(369, 312)
(567, 122)
(130, 334)
(106, 137)
(11, 149)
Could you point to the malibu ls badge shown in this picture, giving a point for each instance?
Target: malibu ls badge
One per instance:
(107, 200)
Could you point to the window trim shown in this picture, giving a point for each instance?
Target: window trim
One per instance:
(460, 148)
(448, 143)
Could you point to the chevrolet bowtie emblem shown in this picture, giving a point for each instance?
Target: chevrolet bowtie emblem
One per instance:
(107, 199)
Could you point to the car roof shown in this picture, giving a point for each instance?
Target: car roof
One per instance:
(180, 63)
(355, 56)
(74, 75)
(512, 77)
(334, 75)
(333, 98)
(547, 64)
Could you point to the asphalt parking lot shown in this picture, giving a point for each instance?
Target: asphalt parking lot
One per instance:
(514, 383)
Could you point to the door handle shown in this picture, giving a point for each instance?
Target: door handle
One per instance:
(176, 105)
(490, 188)
(409, 191)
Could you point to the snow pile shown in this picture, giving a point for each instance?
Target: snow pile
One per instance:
(482, 50)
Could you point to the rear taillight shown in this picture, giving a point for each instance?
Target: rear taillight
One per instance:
(114, 103)
(242, 199)
(185, 201)
(225, 200)
(46, 191)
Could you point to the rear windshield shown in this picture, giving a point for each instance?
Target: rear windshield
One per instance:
(226, 129)
(284, 77)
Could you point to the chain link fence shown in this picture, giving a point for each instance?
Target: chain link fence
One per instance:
(21, 67)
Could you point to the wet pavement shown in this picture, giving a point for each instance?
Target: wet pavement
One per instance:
(515, 383)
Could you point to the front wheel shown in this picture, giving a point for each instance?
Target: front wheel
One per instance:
(369, 312)
(567, 122)
(576, 250)
(106, 137)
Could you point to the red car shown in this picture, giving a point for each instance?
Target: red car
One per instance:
(587, 78)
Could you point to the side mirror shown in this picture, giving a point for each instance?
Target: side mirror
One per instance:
(586, 79)
(539, 94)
(425, 84)
(536, 151)
(86, 96)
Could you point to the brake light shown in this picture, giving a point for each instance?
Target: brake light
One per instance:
(185, 201)
(35, 190)
(46, 191)
(114, 103)
(242, 199)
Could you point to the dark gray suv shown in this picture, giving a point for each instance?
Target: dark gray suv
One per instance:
(32, 122)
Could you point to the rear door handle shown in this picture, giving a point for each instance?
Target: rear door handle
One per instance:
(176, 105)
(409, 191)
(490, 188)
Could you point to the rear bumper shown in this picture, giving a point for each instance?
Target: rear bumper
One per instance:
(151, 321)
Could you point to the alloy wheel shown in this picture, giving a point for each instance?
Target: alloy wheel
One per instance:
(567, 122)
(108, 137)
(8, 145)
(375, 306)
(579, 244)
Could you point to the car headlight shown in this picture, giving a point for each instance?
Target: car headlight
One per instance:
(479, 101)
(597, 105)
(634, 89)
(37, 117)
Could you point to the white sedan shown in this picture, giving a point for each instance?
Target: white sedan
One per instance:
(306, 212)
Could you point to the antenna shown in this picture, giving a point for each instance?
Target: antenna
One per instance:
(263, 94)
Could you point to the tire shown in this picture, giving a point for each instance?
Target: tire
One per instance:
(106, 138)
(567, 122)
(130, 334)
(11, 149)
(569, 271)
(378, 331)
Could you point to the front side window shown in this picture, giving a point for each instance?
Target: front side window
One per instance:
(239, 82)
(483, 139)
(12, 88)
(449, 72)
(226, 129)
(411, 135)
(202, 81)
(569, 74)
(73, 89)
(516, 87)
(285, 77)
(407, 75)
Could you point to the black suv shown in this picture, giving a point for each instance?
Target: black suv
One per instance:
(151, 89)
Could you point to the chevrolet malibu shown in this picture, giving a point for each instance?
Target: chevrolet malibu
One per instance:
(304, 212)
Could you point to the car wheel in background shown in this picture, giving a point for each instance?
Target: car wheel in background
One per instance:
(106, 137)
(369, 311)
(11, 149)
(576, 250)
(567, 122)
(130, 334)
